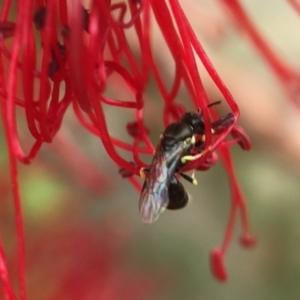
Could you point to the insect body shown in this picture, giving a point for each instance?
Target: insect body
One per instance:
(176, 142)
(178, 197)
(161, 188)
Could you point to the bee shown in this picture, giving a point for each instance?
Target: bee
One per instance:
(161, 188)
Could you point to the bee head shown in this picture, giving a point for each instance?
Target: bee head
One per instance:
(195, 120)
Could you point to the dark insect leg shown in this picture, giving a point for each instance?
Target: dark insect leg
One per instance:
(188, 178)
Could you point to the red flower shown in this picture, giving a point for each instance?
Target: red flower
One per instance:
(58, 55)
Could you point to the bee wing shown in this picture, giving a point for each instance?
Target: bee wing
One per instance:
(154, 197)
(152, 204)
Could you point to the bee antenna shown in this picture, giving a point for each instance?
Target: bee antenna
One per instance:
(214, 103)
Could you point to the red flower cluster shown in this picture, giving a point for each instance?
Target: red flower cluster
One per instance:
(58, 55)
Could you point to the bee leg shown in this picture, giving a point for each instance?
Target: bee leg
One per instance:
(195, 182)
(143, 172)
(188, 178)
(187, 158)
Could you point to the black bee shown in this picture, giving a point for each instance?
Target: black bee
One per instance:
(161, 187)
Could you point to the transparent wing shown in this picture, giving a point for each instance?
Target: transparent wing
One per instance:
(154, 196)
(152, 204)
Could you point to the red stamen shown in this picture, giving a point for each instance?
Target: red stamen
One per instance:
(289, 77)
(84, 54)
